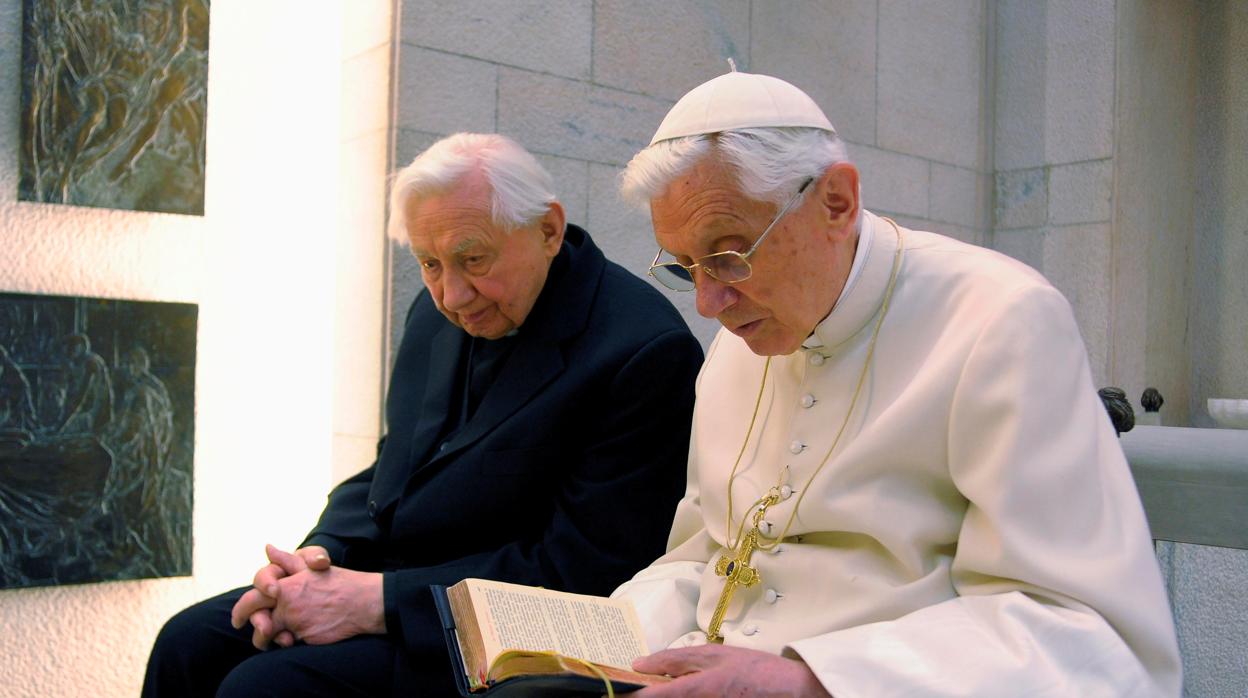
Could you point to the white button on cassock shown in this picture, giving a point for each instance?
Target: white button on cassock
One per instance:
(765, 528)
(770, 596)
(796, 447)
(750, 629)
(785, 492)
(816, 359)
(808, 401)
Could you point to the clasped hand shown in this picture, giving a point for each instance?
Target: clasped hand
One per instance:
(302, 596)
(716, 670)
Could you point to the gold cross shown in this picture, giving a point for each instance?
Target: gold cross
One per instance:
(735, 568)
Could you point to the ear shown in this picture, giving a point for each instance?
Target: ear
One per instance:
(551, 225)
(838, 191)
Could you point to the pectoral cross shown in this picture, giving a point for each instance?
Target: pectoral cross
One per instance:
(735, 567)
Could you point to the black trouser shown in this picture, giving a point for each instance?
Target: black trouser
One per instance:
(198, 653)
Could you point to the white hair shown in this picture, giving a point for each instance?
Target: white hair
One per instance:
(521, 191)
(769, 163)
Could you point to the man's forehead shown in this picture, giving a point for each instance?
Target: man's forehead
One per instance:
(450, 222)
(699, 229)
(697, 212)
(453, 245)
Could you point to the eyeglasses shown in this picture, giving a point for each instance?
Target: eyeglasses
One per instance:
(727, 267)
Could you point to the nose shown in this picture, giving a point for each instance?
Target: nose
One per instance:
(713, 296)
(457, 291)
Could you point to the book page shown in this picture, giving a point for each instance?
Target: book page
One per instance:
(600, 630)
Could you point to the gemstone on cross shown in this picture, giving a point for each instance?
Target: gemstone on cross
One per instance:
(737, 572)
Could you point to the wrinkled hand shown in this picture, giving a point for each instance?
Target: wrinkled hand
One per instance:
(256, 605)
(716, 670)
(316, 606)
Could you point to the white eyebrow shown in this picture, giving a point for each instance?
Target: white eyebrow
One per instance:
(465, 245)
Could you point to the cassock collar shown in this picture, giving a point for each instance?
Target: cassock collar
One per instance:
(562, 307)
(864, 290)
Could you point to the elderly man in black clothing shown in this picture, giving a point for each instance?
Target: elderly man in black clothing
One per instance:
(538, 418)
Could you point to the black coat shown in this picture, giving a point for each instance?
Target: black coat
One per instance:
(567, 474)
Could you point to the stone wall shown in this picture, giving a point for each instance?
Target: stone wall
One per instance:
(584, 85)
(1053, 152)
(1095, 140)
(1219, 284)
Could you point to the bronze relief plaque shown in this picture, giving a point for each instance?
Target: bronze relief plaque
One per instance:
(114, 103)
(97, 436)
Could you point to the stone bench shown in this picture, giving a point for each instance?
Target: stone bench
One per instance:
(1194, 486)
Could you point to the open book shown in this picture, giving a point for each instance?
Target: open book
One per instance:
(513, 639)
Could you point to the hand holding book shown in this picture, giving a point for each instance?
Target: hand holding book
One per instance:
(508, 638)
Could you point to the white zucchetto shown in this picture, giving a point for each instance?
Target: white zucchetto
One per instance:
(740, 100)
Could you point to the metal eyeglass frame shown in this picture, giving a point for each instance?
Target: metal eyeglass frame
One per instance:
(744, 257)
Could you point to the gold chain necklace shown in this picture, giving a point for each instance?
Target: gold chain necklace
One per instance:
(735, 565)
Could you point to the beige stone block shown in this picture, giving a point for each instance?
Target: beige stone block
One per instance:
(1079, 81)
(1163, 96)
(956, 195)
(405, 285)
(622, 231)
(443, 93)
(1027, 246)
(1021, 199)
(551, 36)
(825, 48)
(362, 197)
(575, 119)
(664, 48)
(408, 144)
(351, 454)
(957, 232)
(1081, 193)
(626, 237)
(1076, 261)
(359, 293)
(1219, 291)
(358, 362)
(1019, 85)
(930, 73)
(891, 182)
(366, 24)
(366, 92)
(911, 222)
(970, 236)
(571, 186)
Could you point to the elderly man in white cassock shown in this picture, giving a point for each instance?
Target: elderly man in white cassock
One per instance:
(901, 479)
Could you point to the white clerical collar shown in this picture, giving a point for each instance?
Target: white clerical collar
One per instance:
(866, 234)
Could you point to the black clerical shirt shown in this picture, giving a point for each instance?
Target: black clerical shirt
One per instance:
(483, 359)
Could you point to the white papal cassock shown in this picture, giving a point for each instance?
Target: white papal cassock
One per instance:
(976, 532)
